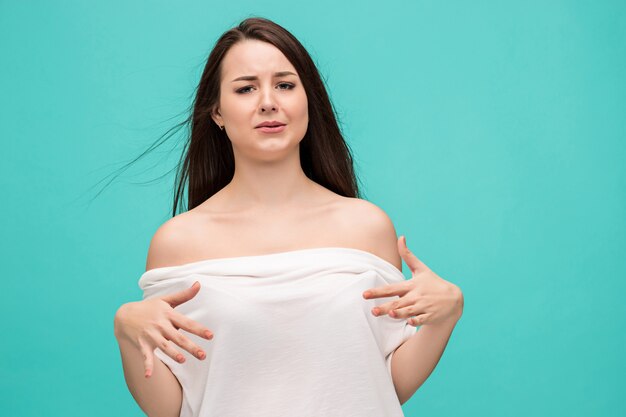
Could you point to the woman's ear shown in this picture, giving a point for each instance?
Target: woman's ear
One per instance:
(217, 117)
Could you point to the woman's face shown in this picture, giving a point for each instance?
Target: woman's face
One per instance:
(263, 96)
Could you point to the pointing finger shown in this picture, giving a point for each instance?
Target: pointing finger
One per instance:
(414, 264)
(148, 362)
(390, 290)
(183, 322)
(392, 306)
(184, 342)
(182, 296)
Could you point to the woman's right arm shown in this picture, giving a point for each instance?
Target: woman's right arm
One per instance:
(160, 394)
(142, 326)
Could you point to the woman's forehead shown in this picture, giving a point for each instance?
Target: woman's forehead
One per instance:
(255, 58)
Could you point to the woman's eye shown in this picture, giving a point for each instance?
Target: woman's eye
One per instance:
(244, 90)
(288, 85)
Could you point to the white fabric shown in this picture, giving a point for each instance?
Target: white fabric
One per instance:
(293, 335)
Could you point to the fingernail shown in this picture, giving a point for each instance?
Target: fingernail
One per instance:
(148, 373)
(180, 358)
(201, 354)
(208, 334)
(375, 311)
(367, 294)
(392, 313)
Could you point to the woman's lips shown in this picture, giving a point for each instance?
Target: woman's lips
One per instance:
(272, 129)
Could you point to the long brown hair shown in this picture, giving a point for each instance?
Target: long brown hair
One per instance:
(207, 163)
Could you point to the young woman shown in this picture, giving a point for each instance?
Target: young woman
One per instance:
(275, 293)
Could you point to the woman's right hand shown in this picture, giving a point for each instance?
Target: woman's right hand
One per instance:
(153, 323)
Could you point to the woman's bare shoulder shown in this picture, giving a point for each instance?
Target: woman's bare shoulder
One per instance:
(363, 210)
(171, 241)
(373, 228)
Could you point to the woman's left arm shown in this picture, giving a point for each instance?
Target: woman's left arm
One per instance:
(437, 306)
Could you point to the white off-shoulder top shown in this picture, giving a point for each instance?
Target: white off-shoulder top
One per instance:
(293, 335)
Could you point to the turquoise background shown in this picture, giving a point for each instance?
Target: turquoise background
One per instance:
(492, 133)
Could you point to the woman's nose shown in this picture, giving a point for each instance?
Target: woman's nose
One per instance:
(267, 102)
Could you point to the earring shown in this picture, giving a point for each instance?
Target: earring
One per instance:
(222, 127)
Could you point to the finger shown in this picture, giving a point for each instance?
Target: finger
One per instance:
(408, 311)
(399, 288)
(182, 296)
(148, 360)
(184, 342)
(414, 264)
(170, 350)
(419, 320)
(183, 322)
(386, 308)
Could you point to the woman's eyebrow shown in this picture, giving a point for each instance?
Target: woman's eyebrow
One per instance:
(254, 77)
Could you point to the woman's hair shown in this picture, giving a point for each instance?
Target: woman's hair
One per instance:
(207, 163)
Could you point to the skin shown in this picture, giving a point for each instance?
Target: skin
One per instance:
(437, 306)
(426, 298)
(270, 197)
(268, 174)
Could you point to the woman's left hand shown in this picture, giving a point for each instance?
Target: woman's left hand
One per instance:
(426, 296)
